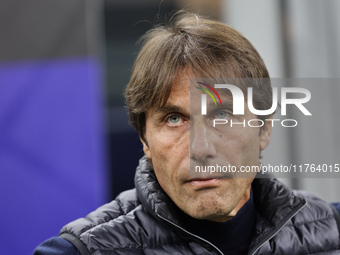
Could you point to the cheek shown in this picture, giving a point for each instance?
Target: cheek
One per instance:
(162, 147)
(169, 154)
(251, 146)
(158, 141)
(241, 146)
(170, 142)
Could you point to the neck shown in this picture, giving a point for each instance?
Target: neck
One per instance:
(240, 204)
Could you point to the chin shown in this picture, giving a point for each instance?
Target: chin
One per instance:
(212, 216)
(209, 212)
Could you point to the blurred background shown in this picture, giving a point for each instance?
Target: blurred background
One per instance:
(65, 143)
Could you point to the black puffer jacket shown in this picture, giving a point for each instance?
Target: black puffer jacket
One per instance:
(145, 221)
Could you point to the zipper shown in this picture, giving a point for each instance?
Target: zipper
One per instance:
(270, 236)
(202, 239)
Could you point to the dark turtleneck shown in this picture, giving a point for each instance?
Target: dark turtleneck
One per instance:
(232, 237)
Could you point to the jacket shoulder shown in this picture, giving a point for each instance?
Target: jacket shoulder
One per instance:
(316, 209)
(122, 205)
(314, 228)
(122, 225)
(309, 226)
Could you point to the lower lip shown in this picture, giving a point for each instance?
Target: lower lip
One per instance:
(205, 183)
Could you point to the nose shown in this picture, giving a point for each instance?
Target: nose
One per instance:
(201, 147)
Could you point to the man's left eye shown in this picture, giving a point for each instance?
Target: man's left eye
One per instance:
(222, 115)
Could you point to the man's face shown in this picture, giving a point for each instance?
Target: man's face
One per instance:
(179, 140)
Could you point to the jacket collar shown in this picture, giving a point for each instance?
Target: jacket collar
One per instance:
(152, 196)
(275, 205)
(274, 202)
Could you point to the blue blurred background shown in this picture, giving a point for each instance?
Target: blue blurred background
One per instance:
(65, 143)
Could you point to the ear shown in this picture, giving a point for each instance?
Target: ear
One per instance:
(146, 148)
(265, 134)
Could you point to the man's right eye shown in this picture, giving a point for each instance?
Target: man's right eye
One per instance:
(174, 120)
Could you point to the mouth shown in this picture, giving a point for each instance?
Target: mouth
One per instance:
(199, 183)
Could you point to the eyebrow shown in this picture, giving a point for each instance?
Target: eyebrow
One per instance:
(175, 108)
(225, 104)
(169, 108)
